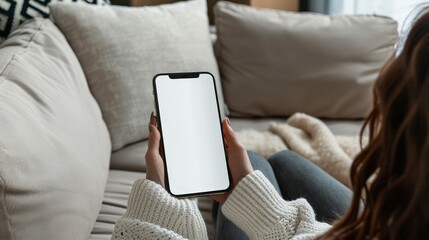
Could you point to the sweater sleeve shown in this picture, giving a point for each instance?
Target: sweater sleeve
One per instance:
(153, 213)
(256, 207)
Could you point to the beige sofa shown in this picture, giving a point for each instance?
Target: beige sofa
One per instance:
(62, 136)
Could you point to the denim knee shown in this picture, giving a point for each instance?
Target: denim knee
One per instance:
(280, 158)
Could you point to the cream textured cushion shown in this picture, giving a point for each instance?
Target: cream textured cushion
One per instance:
(276, 63)
(121, 49)
(54, 145)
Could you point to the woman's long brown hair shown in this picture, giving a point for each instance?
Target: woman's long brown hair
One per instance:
(391, 174)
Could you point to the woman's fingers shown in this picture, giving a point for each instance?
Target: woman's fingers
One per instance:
(238, 160)
(154, 162)
(154, 138)
(230, 136)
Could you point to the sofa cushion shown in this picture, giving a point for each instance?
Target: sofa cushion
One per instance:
(276, 63)
(54, 145)
(122, 48)
(13, 13)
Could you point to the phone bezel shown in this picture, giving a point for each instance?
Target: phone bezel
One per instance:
(188, 75)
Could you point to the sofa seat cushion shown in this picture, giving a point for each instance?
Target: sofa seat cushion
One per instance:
(54, 145)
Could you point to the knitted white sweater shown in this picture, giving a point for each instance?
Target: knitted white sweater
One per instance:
(254, 206)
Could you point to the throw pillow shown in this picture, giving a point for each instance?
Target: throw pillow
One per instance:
(122, 48)
(14, 12)
(54, 145)
(276, 63)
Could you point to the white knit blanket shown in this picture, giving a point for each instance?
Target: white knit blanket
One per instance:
(309, 137)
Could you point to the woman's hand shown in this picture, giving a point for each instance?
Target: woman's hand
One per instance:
(154, 163)
(238, 160)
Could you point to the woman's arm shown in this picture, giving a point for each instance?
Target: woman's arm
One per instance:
(257, 208)
(153, 214)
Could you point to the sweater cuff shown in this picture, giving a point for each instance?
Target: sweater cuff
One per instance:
(254, 205)
(150, 202)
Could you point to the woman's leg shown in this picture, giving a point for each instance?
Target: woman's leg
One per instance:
(225, 229)
(300, 178)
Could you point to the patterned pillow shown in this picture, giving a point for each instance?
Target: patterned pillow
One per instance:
(14, 12)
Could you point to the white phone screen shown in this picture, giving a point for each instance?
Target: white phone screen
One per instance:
(191, 134)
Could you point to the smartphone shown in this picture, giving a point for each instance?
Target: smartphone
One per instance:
(192, 142)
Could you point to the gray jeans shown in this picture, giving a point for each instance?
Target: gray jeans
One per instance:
(293, 177)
